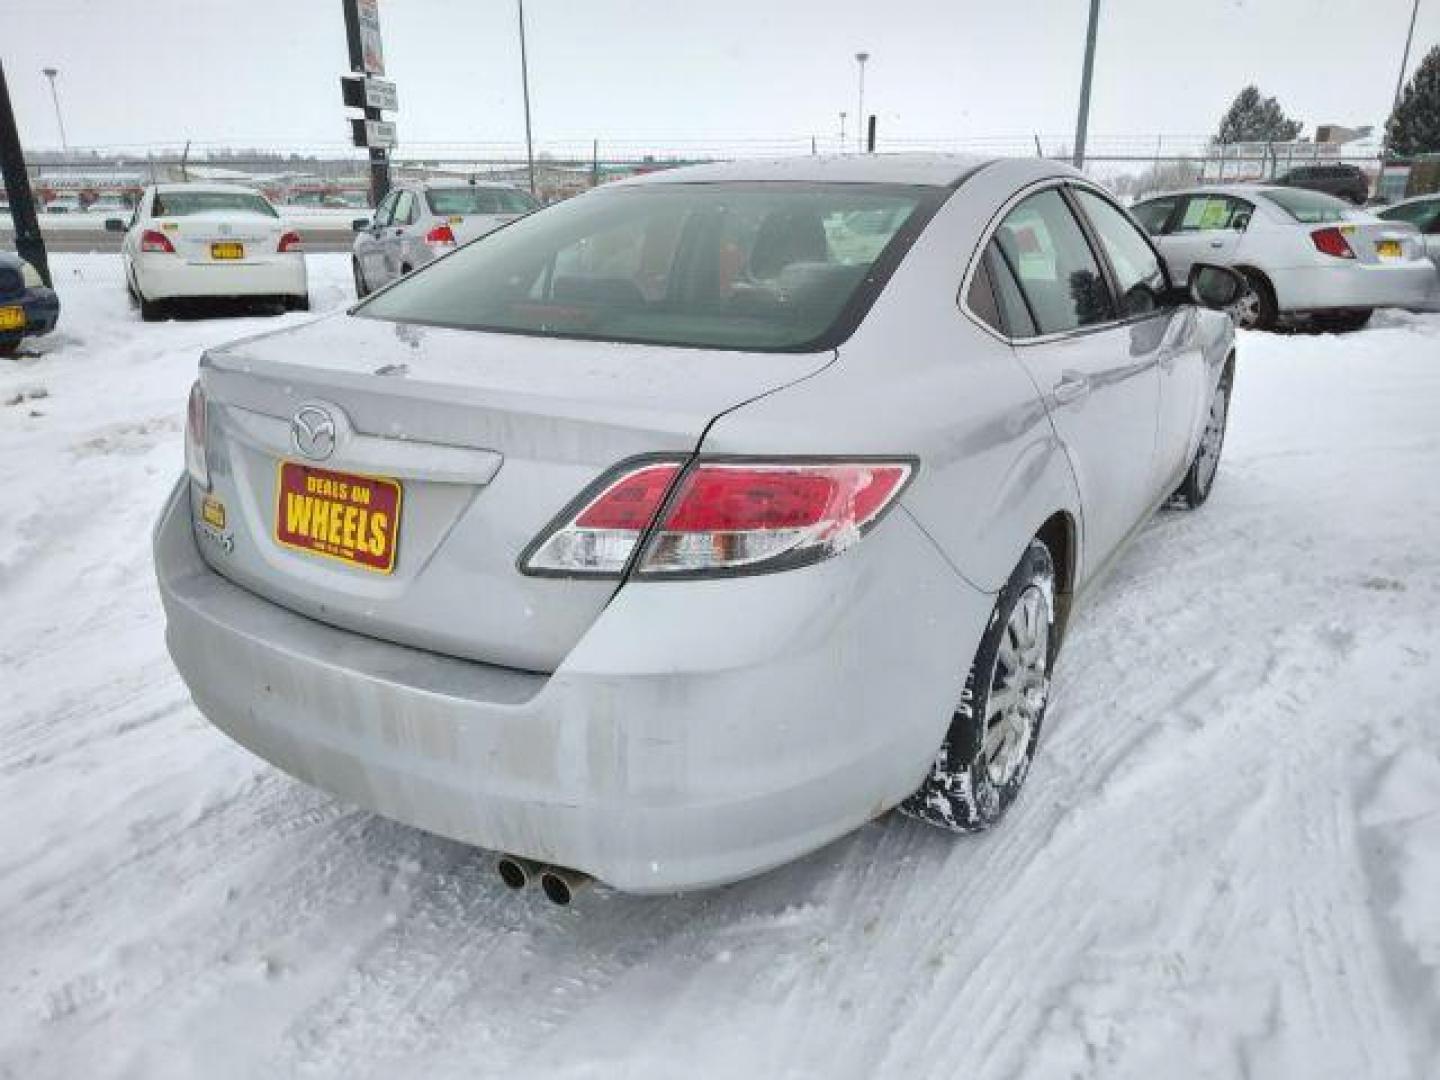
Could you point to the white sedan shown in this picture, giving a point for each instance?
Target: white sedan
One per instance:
(1306, 255)
(210, 241)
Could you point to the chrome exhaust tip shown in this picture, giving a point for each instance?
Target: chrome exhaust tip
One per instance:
(516, 872)
(561, 885)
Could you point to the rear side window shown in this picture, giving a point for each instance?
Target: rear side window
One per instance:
(1204, 213)
(746, 266)
(1154, 214)
(1057, 272)
(405, 208)
(386, 210)
(1309, 207)
(1138, 272)
(478, 200)
(185, 203)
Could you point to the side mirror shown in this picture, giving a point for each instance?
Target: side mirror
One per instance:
(1216, 287)
(360, 224)
(114, 224)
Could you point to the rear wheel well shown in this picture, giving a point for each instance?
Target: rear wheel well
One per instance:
(1059, 535)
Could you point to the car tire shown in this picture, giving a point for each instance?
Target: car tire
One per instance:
(1200, 477)
(1257, 309)
(150, 310)
(361, 289)
(1344, 322)
(995, 728)
(298, 303)
(9, 348)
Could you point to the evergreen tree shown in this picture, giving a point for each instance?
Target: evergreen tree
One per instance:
(1414, 126)
(1252, 118)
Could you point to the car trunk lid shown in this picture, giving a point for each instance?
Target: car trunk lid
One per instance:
(488, 437)
(221, 236)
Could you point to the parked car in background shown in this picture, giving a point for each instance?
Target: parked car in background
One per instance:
(1306, 255)
(64, 204)
(210, 241)
(27, 307)
(1347, 182)
(718, 511)
(1423, 212)
(418, 222)
(109, 204)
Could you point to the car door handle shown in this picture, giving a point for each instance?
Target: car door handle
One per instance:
(1072, 387)
(1217, 243)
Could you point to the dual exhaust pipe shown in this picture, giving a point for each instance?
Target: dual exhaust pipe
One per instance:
(557, 883)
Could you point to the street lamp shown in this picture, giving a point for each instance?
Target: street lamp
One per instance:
(525, 86)
(50, 74)
(842, 131)
(860, 58)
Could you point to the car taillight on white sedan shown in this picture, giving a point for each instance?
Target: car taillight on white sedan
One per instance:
(718, 517)
(441, 236)
(1332, 242)
(158, 242)
(290, 242)
(195, 421)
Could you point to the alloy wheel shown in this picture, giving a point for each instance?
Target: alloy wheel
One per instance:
(1019, 686)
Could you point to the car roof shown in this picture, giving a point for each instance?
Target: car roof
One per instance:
(1411, 200)
(446, 185)
(1240, 191)
(197, 185)
(937, 170)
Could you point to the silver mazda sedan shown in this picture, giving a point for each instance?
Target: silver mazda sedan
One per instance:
(673, 531)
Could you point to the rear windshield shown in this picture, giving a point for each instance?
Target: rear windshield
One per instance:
(183, 203)
(478, 200)
(1309, 207)
(755, 266)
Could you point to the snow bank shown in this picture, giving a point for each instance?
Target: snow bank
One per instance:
(1225, 864)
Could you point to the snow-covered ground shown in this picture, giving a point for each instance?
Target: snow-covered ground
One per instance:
(1226, 863)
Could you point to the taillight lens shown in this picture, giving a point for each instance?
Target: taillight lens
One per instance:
(724, 518)
(440, 235)
(195, 422)
(290, 242)
(1332, 241)
(151, 240)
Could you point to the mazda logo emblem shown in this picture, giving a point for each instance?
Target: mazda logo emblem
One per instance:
(313, 430)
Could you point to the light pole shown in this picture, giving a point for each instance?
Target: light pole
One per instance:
(50, 74)
(860, 58)
(1082, 121)
(1405, 57)
(525, 84)
(842, 131)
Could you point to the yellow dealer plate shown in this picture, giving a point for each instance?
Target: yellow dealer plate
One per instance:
(12, 318)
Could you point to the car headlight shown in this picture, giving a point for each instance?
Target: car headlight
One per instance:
(31, 277)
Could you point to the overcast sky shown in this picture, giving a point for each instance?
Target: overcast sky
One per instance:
(712, 75)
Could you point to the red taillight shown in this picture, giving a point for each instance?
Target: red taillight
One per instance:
(290, 242)
(725, 517)
(195, 421)
(1332, 241)
(441, 234)
(150, 240)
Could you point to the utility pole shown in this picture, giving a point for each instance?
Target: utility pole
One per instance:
(50, 74)
(362, 65)
(842, 131)
(1405, 57)
(860, 58)
(525, 85)
(1082, 122)
(29, 244)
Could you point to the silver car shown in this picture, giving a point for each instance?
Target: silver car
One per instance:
(415, 223)
(1305, 254)
(676, 530)
(1423, 212)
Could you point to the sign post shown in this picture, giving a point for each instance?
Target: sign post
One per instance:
(29, 244)
(367, 58)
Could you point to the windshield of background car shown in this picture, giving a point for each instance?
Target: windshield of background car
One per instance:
(1309, 207)
(781, 266)
(478, 200)
(184, 203)
(1425, 216)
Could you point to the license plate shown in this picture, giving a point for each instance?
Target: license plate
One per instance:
(227, 250)
(352, 519)
(1388, 249)
(12, 318)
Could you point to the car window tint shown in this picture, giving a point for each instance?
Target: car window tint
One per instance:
(405, 208)
(1014, 312)
(762, 266)
(1138, 273)
(1204, 213)
(185, 203)
(1154, 213)
(385, 209)
(980, 299)
(1057, 271)
(1425, 216)
(478, 200)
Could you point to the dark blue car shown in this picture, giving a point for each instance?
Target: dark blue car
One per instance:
(27, 308)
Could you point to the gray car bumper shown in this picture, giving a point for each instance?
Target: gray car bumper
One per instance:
(700, 732)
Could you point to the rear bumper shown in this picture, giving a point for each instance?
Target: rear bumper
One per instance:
(1411, 284)
(170, 277)
(42, 311)
(699, 733)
